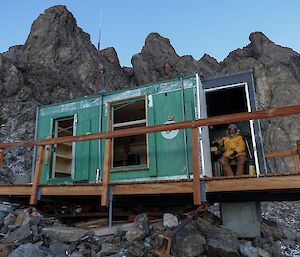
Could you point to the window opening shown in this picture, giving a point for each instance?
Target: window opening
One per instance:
(63, 152)
(131, 150)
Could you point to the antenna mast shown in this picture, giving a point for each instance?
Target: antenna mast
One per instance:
(97, 86)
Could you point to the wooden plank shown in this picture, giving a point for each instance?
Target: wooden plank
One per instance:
(13, 190)
(278, 154)
(70, 190)
(110, 231)
(106, 171)
(253, 184)
(37, 174)
(296, 162)
(129, 123)
(230, 118)
(1, 158)
(298, 146)
(107, 159)
(154, 188)
(212, 186)
(196, 166)
(92, 223)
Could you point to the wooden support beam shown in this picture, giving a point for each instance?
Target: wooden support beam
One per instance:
(254, 184)
(71, 190)
(278, 154)
(106, 171)
(176, 187)
(37, 174)
(296, 162)
(230, 118)
(1, 158)
(196, 166)
(15, 190)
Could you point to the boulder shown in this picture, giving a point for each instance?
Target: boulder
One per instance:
(188, 241)
(262, 253)
(28, 250)
(64, 234)
(140, 229)
(220, 241)
(170, 220)
(58, 248)
(248, 250)
(192, 245)
(134, 234)
(108, 249)
(221, 248)
(136, 249)
(19, 235)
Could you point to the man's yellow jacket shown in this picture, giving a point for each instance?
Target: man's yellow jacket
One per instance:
(234, 144)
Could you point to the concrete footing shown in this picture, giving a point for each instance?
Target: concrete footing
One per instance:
(243, 218)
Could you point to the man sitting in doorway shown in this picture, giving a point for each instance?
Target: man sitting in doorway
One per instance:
(234, 148)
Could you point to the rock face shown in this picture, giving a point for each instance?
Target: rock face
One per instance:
(159, 61)
(58, 62)
(277, 79)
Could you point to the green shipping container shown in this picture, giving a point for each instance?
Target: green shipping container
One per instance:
(158, 155)
(165, 155)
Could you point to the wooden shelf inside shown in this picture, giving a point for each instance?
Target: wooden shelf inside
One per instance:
(64, 156)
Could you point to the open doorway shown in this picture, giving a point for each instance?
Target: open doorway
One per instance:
(131, 150)
(229, 100)
(62, 164)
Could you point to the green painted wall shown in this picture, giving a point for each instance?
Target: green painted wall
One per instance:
(166, 156)
(87, 152)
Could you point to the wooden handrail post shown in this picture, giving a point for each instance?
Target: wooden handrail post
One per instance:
(1, 158)
(106, 174)
(196, 166)
(296, 157)
(37, 174)
(296, 162)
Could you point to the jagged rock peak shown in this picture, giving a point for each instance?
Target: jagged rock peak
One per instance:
(259, 42)
(208, 65)
(155, 42)
(54, 35)
(158, 60)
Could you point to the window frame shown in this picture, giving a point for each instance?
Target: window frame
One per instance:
(110, 127)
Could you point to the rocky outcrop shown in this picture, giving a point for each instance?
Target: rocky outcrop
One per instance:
(158, 61)
(56, 63)
(277, 79)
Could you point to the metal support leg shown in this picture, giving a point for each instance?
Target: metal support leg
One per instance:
(203, 191)
(110, 210)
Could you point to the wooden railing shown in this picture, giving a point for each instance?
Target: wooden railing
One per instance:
(295, 154)
(194, 124)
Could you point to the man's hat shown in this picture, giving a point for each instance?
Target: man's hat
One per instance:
(232, 126)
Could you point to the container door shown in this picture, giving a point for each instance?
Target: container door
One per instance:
(206, 168)
(170, 145)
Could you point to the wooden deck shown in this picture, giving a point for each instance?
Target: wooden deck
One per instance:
(184, 186)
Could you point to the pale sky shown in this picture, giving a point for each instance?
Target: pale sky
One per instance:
(194, 27)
